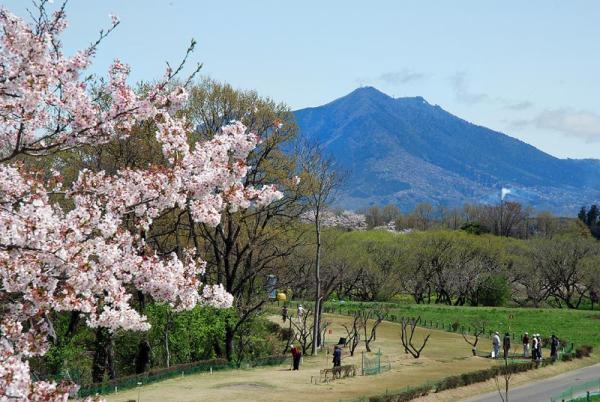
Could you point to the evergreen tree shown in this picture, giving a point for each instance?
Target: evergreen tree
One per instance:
(592, 216)
(582, 215)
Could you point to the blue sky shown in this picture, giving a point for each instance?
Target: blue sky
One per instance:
(527, 68)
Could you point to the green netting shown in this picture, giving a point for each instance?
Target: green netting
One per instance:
(576, 392)
(375, 364)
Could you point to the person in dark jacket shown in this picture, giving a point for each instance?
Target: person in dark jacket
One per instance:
(525, 340)
(506, 344)
(554, 347)
(337, 356)
(284, 313)
(296, 355)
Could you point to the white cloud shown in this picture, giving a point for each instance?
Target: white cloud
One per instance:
(462, 92)
(401, 77)
(573, 123)
(519, 105)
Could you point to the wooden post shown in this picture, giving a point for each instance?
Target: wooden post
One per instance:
(362, 363)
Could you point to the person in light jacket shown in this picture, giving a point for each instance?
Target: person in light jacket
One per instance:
(495, 345)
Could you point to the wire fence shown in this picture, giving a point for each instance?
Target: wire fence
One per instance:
(566, 352)
(152, 376)
(374, 365)
(579, 392)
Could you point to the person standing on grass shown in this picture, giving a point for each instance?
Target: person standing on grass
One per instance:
(525, 340)
(296, 355)
(506, 345)
(300, 312)
(284, 313)
(495, 345)
(554, 347)
(539, 347)
(534, 347)
(337, 356)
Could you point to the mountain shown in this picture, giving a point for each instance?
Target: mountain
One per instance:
(405, 151)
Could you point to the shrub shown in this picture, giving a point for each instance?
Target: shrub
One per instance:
(286, 334)
(565, 357)
(474, 228)
(583, 351)
(408, 395)
(455, 382)
(493, 292)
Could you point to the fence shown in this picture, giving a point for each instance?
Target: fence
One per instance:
(370, 366)
(125, 383)
(566, 352)
(579, 392)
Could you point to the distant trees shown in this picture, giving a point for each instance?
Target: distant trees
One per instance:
(460, 268)
(591, 218)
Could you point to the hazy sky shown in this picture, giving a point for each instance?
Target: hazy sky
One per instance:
(527, 68)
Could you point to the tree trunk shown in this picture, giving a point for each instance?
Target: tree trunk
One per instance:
(317, 316)
(229, 335)
(103, 356)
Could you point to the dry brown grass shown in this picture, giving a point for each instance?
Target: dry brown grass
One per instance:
(446, 354)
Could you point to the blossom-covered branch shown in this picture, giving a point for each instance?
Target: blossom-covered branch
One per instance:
(83, 258)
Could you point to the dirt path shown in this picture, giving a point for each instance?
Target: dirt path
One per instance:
(445, 354)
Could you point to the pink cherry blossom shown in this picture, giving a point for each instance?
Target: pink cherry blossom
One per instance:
(83, 258)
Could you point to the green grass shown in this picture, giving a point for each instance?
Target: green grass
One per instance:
(578, 326)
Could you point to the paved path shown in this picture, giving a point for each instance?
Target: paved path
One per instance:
(543, 390)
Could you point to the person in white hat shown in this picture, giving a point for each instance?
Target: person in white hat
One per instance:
(300, 311)
(525, 340)
(495, 345)
(534, 347)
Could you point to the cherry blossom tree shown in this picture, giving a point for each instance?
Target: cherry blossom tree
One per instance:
(77, 254)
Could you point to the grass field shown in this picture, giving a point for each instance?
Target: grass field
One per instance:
(578, 326)
(446, 354)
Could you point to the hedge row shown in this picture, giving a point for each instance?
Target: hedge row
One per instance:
(456, 381)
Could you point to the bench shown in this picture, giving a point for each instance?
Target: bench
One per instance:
(327, 375)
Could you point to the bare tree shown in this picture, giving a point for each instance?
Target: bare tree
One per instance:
(353, 333)
(478, 330)
(319, 180)
(303, 331)
(408, 330)
(506, 375)
(376, 317)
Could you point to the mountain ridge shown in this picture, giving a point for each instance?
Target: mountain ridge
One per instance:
(406, 150)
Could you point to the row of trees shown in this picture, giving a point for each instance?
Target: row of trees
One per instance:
(456, 267)
(504, 219)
